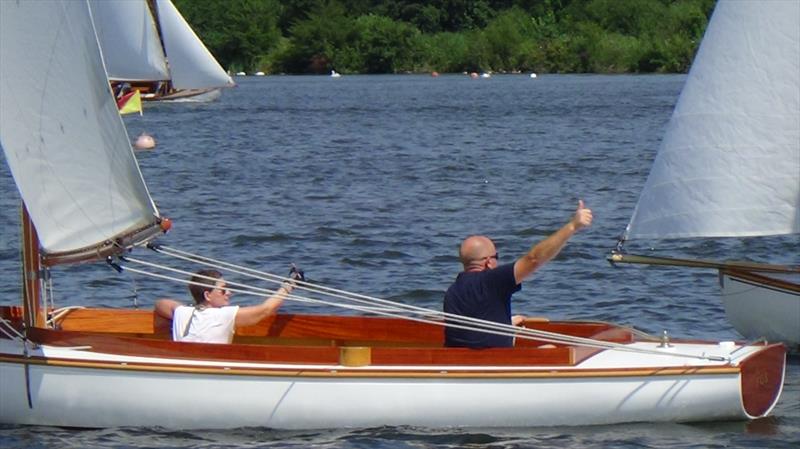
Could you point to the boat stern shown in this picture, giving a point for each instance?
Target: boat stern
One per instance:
(762, 380)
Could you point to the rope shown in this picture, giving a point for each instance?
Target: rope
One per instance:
(390, 309)
(9, 331)
(482, 325)
(57, 314)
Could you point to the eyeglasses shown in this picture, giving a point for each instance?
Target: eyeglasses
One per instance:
(222, 290)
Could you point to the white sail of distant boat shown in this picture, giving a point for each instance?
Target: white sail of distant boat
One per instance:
(191, 64)
(132, 49)
(79, 366)
(127, 32)
(729, 163)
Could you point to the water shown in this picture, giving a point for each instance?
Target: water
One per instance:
(369, 183)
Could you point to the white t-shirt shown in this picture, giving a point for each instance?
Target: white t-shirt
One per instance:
(209, 325)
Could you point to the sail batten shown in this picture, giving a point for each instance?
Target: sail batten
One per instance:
(72, 161)
(729, 163)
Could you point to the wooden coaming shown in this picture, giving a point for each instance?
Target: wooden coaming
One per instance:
(134, 346)
(330, 327)
(301, 351)
(313, 339)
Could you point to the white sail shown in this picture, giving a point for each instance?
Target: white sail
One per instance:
(191, 64)
(71, 159)
(729, 164)
(129, 40)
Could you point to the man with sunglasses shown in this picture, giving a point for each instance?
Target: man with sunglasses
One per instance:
(483, 290)
(212, 319)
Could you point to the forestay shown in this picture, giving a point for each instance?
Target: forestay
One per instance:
(729, 164)
(191, 64)
(72, 161)
(128, 36)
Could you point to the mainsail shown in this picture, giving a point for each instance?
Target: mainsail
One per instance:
(128, 35)
(729, 164)
(72, 162)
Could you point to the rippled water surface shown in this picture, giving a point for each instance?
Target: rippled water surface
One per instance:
(370, 182)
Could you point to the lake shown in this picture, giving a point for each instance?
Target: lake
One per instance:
(369, 183)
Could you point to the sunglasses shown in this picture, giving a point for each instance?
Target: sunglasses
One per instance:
(222, 290)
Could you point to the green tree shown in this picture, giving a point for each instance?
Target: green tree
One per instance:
(237, 32)
(444, 52)
(379, 36)
(313, 42)
(508, 37)
(387, 46)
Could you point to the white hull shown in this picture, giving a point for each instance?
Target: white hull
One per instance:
(756, 309)
(78, 388)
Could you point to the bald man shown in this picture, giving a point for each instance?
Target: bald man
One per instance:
(483, 290)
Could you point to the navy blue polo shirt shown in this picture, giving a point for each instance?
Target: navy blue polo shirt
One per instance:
(485, 295)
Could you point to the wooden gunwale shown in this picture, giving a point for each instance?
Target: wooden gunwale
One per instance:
(763, 281)
(178, 94)
(375, 372)
(313, 340)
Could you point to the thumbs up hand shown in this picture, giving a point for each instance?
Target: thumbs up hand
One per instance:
(583, 216)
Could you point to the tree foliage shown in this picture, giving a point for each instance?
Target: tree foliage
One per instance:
(370, 36)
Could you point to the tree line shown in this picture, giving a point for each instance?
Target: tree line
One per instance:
(370, 36)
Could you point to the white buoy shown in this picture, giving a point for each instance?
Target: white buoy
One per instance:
(533, 75)
(144, 142)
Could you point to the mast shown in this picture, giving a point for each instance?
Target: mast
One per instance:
(166, 87)
(33, 312)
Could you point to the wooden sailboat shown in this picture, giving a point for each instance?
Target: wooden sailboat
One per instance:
(150, 47)
(729, 164)
(87, 201)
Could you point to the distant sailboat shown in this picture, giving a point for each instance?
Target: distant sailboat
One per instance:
(164, 59)
(729, 164)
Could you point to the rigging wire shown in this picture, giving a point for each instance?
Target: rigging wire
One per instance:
(483, 325)
(341, 294)
(389, 309)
